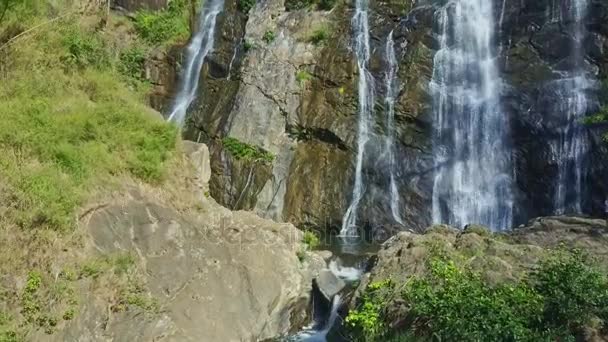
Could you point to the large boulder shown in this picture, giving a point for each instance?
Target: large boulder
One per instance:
(215, 275)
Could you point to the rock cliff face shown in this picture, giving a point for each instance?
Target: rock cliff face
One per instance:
(272, 84)
(214, 274)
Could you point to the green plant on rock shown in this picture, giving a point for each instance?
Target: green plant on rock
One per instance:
(311, 240)
(449, 302)
(366, 322)
(324, 5)
(131, 63)
(247, 45)
(575, 293)
(84, 50)
(319, 36)
(165, 26)
(269, 37)
(246, 5)
(7, 331)
(303, 76)
(246, 152)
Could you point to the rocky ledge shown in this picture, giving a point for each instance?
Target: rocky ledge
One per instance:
(215, 275)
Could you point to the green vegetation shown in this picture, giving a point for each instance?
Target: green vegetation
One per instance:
(269, 37)
(319, 36)
(131, 63)
(602, 116)
(164, 27)
(246, 152)
(303, 76)
(246, 5)
(311, 240)
(247, 45)
(84, 49)
(7, 334)
(324, 5)
(69, 123)
(555, 302)
(75, 125)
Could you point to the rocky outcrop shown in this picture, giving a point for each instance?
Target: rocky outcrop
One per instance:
(498, 257)
(216, 275)
(297, 98)
(269, 84)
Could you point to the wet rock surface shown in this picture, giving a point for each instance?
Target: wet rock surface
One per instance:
(298, 100)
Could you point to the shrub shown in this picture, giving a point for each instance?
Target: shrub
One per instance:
(294, 5)
(165, 26)
(311, 240)
(564, 295)
(131, 63)
(269, 37)
(326, 5)
(319, 36)
(574, 291)
(247, 45)
(84, 50)
(367, 321)
(303, 76)
(246, 5)
(246, 152)
(456, 304)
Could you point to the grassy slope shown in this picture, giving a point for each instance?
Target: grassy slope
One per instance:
(73, 122)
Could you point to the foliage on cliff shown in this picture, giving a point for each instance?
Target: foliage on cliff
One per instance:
(166, 26)
(559, 299)
(74, 122)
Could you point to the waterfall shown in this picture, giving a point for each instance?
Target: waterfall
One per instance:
(198, 49)
(473, 177)
(360, 25)
(571, 147)
(311, 335)
(389, 103)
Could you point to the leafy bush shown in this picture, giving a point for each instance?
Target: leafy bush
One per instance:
(294, 5)
(367, 321)
(303, 76)
(244, 151)
(84, 50)
(165, 26)
(326, 5)
(319, 36)
(574, 292)
(451, 303)
(247, 45)
(269, 37)
(311, 240)
(131, 62)
(246, 5)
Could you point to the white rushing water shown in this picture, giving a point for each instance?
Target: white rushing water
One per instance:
(571, 146)
(198, 49)
(389, 103)
(320, 335)
(360, 25)
(473, 175)
(349, 274)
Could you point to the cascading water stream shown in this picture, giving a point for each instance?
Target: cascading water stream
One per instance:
(311, 335)
(571, 146)
(389, 103)
(198, 49)
(473, 177)
(360, 24)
